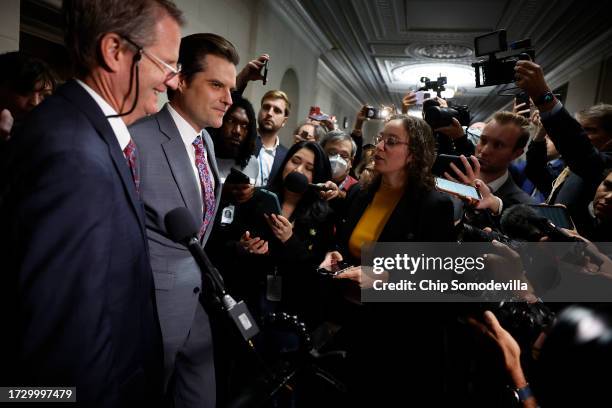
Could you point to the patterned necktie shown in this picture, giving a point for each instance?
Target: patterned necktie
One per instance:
(130, 155)
(208, 193)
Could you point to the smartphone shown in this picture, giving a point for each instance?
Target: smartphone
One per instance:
(558, 214)
(237, 177)
(522, 97)
(457, 189)
(336, 269)
(265, 72)
(421, 96)
(443, 162)
(267, 202)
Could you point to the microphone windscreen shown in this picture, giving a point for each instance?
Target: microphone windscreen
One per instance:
(521, 222)
(180, 225)
(296, 182)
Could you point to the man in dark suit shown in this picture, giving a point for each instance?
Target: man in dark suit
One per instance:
(584, 144)
(503, 139)
(179, 169)
(76, 276)
(272, 117)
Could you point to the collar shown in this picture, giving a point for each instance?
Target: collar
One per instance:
(187, 132)
(498, 182)
(117, 124)
(269, 149)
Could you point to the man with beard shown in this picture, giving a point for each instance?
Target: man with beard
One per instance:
(273, 114)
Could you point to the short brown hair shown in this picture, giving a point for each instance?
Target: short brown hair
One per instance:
(601, 114)
(276, 94)
(506, 118)
(87, 21)
(194, 49)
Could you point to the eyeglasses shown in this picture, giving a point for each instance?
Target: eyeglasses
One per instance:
(172, 72)
(389, 141)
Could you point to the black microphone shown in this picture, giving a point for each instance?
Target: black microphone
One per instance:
(182, 228)
(298, 183)
(523, 222)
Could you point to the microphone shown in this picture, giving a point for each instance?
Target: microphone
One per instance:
(298, 183)
(181, 228)
(523, 222)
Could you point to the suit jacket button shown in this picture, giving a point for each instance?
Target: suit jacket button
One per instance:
(196, 289)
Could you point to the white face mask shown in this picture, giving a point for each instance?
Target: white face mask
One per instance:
(338, 166)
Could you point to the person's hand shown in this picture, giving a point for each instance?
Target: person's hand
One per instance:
(442, 102)
(520, 109)
(333, 192)
(505, 265)
(251, 71)
(6, 124)
(488, 201)
(328, 124)
(361, 117)
(470, 173)
(331, 258)
(253, 245)
(408, 100)
(530, 77)
(508, 346)
(281, 227)
(454, 130)
(601, 266)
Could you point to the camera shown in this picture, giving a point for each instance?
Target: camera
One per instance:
(494, 70)
(437, 116)
(437, 86)
(381, 113)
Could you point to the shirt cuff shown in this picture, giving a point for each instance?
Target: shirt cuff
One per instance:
(501, 205)
(553, 111)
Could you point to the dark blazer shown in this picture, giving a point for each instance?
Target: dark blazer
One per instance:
(168, 181)
(420, 215)
(281, 152)
(511, 194)
(585, 161)
(76, 273)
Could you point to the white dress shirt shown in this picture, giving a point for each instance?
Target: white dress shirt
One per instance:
(117, 124)
(266, 161)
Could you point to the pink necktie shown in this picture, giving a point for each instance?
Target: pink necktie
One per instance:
(130, 155)
(208, 193)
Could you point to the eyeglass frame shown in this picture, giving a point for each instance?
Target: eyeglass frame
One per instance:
(380, 138)
(173, 71)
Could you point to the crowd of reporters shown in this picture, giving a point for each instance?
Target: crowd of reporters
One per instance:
(284, 215)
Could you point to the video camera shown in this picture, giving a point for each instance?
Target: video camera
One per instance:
(499, 71)
(437, 116)
(436, 86)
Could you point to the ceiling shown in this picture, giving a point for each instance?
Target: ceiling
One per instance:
(380, 48)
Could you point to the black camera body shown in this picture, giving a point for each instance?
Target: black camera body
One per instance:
(498, 71)
(437, 116)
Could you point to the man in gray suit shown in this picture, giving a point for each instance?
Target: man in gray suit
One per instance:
(178, 168)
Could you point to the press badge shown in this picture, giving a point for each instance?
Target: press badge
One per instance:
(227, 215)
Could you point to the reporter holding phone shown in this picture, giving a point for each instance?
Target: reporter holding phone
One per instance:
(401, 343)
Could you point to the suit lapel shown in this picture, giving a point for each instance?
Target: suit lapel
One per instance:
(180, 164)
(83, 101)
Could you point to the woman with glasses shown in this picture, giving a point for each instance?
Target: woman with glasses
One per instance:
(394, 346)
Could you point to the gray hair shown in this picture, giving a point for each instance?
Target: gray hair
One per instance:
(339, 136)
(87, 21)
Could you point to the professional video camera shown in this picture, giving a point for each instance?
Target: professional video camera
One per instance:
(499, 71)
(436, 86)
(437, 116)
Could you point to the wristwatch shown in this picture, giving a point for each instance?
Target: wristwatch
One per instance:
(544, 99)
(521, 394)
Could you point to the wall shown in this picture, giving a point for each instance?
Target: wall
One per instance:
(582, 89)
(9, 25)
